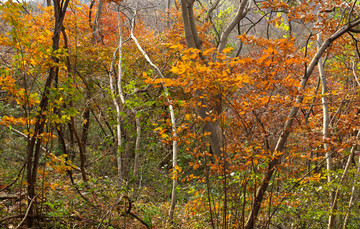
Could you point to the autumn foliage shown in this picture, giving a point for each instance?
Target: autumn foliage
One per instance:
(130, 114)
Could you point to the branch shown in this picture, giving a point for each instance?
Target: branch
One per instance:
(43, 148)
(323, 48)
(126, 212)
(242, 11)
(212, 8)
(28, 209)
(354, 73)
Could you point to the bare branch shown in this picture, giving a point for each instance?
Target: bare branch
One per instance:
(242, 11)
(212, 8)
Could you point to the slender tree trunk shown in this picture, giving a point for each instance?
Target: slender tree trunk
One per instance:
(174, 132)
(326, 121)
(137, 144)
(326, 133)
(34, 143)
(122, 99)
(326, 116)
(118, 118)
(73, 131)
(81, 149)
(332, 215)
(172, 116)
(168, 5)
(351, 200)
(86, 123)
(174, 159)
(118, 91)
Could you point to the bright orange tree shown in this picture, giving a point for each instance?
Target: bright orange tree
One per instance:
(269, 109)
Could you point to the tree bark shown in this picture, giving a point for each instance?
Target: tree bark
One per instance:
(193, 41)
(97, 37)
(118, 119)
(137, 144)
(34, 143)
(326, 121)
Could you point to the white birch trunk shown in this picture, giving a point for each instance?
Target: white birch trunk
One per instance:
(326, 118)
(118, 124)
(137, 144)
(326, 133)
(122, 98)
(172, 115)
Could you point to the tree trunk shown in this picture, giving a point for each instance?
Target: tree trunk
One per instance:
(97, 37)
(86, 124)
(326, 132)
(137, 145)
(332, 215)
(326, 116)
(34, 143)
(118, 119)
(172, 117)
(193, 41)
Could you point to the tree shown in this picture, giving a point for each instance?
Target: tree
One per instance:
(237, 114)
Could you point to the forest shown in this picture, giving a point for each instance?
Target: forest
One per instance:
(180, 114)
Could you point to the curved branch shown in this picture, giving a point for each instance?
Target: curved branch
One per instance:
(242, 11)
(212, 8)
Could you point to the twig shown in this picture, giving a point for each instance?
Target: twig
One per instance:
(111, 208)
(353, 68)
(17, 177)
(126, 212)
(44, 149)
(28, 209)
